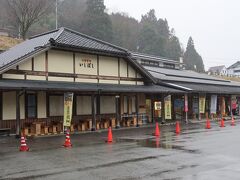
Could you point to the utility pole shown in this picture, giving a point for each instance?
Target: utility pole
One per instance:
(56, 11)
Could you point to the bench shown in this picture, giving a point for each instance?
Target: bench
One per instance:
(5, 131)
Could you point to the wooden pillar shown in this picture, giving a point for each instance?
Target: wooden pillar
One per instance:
(18, 125)
(98, 105)
(117, 111)
(93, 113)
(137, 109)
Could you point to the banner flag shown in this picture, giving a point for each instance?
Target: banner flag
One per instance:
(68, 102)
(213, 108)
(202, 100)
(186, 103)
(167, 107)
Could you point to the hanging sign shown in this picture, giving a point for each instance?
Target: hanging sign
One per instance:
(157, 105)
(195, 104)
(202, 100)
(167, 107)
(223, 106)
(186, 103)
(68, 102)
(213, 108)
(234, 102)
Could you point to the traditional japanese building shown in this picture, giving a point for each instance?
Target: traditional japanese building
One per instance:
(109, 87)
(219, 97)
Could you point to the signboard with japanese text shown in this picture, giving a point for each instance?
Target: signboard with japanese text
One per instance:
(68, 102)
(213, 108)
(186, 103)
(202, 100)
(167, 107)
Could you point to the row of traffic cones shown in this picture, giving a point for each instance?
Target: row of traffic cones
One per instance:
(157, 130)
(68, 144)
(208, 124)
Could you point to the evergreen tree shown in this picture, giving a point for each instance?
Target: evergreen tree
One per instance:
(125, 31)
(191, 57)
(96, 22)
(150, 39)
(173, 47)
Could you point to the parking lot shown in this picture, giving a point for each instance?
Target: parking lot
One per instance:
(196, 153)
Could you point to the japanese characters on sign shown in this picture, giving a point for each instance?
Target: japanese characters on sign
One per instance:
(167, 107)
(86, 63)
(202, 100)
(68, 101)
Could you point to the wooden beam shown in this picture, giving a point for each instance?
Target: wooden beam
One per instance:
(119, 70)
(18, 125)
(32, 63)
(46, 65)
(137, 111)
(117, 111)
(98, 68)
(83, 76)
(74, 68)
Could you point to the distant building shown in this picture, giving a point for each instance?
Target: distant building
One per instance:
(151, 60)
(234, 69)
(218, 70)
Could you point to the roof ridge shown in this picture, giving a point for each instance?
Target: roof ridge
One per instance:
(92, 38)
(154, 56)
(41, 34)
(59, 33)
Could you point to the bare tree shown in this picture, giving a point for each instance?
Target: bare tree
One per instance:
(24, 13)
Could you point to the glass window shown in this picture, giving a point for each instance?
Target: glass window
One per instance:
(56, 105)
(31, 106)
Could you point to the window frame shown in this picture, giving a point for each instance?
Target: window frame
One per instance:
(27, 106)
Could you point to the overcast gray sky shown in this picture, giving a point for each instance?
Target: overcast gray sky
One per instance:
(213, 24)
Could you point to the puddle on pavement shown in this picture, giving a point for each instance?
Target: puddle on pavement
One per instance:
(165, 142)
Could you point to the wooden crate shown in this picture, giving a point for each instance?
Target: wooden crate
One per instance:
(113, 122)
(105, 124)
(83, 126)
(54, 129)
(134, 121)
(46, 129)
(72, 128)
(26, 131)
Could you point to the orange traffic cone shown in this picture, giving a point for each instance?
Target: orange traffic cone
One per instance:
(110, 139)
(23, 146)
(233, 122)
(157, 132)
(67, 143)
(177, 128)
(208, 125)
(222, 123)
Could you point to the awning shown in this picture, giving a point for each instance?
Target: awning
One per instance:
(91, 87)
(206, 88)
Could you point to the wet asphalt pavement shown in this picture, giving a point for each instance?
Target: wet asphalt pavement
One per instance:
(197, 153)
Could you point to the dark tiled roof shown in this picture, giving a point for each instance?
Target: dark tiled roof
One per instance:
(137, 55)
(207, 88)
(70, 86)
(25, 48)
(75, 39)
(183, 75)
(62, 37)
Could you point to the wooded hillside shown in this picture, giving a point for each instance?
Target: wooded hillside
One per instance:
(151, 35)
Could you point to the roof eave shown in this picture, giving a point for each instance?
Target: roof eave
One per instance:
(10, 65)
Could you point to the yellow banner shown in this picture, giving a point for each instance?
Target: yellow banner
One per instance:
(167, 107)
(202, 100)
(68, 102)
